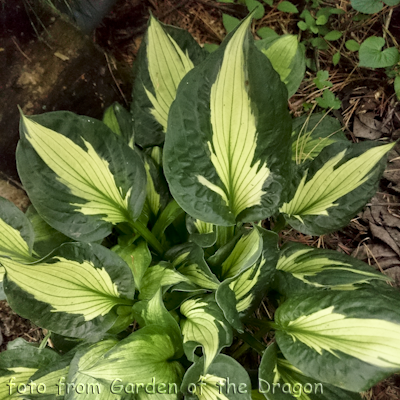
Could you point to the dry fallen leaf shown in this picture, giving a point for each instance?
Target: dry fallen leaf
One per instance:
(367, 127)
(392, 172)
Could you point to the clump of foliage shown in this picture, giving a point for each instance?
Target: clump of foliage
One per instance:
(144, 256)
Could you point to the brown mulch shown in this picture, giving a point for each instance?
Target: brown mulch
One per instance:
(12, 326)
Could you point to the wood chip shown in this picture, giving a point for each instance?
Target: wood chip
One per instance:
(61, 56)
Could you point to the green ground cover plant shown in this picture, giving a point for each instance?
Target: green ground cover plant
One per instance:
(144, 255)
(317, 31)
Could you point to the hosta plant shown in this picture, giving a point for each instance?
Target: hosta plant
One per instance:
(143, 254)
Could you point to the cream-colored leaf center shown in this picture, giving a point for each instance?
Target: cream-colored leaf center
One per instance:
(85, 173)
(329, 184)
(374, 341)
(167, 65)
(68, 286)
(281, 54)
(201, 327)
(12, 244)
(234, 132)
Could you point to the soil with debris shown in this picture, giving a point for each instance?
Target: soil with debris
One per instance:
(370, 111)
(12, 326)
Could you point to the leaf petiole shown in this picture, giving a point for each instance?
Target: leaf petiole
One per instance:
(145, 233)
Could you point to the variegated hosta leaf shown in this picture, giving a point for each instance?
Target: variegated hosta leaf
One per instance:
(167, 65)
(204, 324)
(237, 255)
(166, 55)
(238, 296)
(85, 173)
(85, 358)
(227, 158)
(11, 379)
(159, 276)
(16, 237)
(349, 339)
(256, 395)
(245, 253)
(157, 194)
(242, 286)
(46, 238)
(301, 267)
(280, 380)
(188, 259)
(89, 290)
(329, 184)
(74, 293)
(202, 233)
(287, 57)
(313, 133)
(225, 379)
(335, 187)
(80, 177)
(120, 121)
(2, 294)
(153, 312)
(170, 213)
(152, 197)
(138, 258)
(16, 233)
(203, 227)
(18, 363)
(146, 354)
(50, 380)
(21, 353)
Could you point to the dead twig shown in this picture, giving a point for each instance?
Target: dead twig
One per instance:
(20, 50)
(115, 81)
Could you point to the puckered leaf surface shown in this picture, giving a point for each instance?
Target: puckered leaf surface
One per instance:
(280, 380)
(73, 293)
(226, 154)
(349, 339)
(335, 186)
(80, 176)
